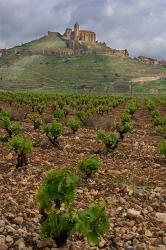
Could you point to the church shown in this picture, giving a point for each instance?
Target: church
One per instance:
(80, 35)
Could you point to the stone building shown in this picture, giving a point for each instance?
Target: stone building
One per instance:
(80, 35)
(2, 52)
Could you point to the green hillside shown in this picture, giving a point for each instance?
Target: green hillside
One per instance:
(53, 41)
(76, 73)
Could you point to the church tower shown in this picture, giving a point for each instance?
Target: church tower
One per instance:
(76, 31)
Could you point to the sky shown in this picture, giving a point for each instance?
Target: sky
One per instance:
(136, 25)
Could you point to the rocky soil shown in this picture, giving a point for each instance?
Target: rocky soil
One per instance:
(132, 180)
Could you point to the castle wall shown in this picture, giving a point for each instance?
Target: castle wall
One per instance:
(109, 51)
(87, 36)
(48, 52)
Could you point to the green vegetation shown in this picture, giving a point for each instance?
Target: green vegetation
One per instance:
(86, 73)
(124, 128)
(36, 119)
(53, 131)
(22, 147)
(11, 128)
(162, 147)
(61, 215)
(74, 124)
(110, 140)
(89, 165)
(59, 187)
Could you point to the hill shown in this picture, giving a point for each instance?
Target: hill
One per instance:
(95, 73)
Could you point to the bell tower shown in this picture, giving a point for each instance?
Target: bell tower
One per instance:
(76, 31)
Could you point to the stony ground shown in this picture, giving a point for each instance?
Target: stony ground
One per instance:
(131, 180)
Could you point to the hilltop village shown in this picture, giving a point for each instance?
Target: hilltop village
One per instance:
(77, 41)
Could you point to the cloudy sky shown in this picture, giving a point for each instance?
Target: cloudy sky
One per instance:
(137, 25)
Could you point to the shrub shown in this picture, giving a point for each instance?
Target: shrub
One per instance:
(59, 186)
(123, 128)
(161, 130)
(84, 117)
(37, 121)
(89, 166)
(4, 113)
(58, 225)
(59, 114)
(110, 140)
(162, 147)
(150, 105)
(66, 111)
(126, 117)
(22, 147)
(159, 121)
(53, 131)
(93, 222)
(40, 108)
(12, 129)
(132, 108)
(74, 124)
(155, 113)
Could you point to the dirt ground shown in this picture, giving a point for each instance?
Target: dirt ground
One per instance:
(132, 181)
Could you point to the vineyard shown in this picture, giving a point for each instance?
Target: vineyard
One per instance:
(82, 172)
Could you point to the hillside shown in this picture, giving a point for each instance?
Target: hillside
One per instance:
(98, 73)
(46, 42)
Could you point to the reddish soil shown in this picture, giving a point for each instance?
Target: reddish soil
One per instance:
(132, 177)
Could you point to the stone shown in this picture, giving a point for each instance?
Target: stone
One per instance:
(9, 156)
(19, 220)
(164, 240)
(161, 233)
(135, 242)
(161, 217)
(161, 247)
(122, 200)
(3, 245)
(45, 243)
(9, 239)
(132, 213)
(150, 209)
(2, 223)
(21, 244)
(142, 246)
(148, 233)
(157, 189)
(102, 243)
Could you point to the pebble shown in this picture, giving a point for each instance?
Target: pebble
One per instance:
(19, 220)
(132, 213)
(161, 217)
(102, 243)
(2, 223)
(9, 239)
